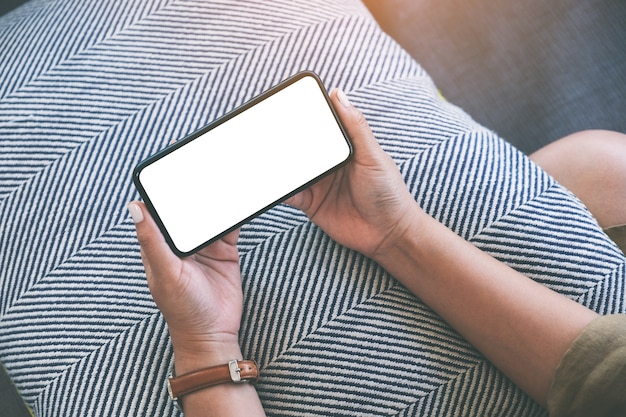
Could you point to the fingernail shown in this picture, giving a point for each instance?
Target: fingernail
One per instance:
(135, 212)
(343, 99)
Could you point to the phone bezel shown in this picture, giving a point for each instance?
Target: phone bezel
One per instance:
(194, 135)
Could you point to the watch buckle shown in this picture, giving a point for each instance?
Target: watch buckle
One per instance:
(169, 387)
(235, 371)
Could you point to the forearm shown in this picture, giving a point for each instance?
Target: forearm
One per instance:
(522, 327)
(221, 400)
(224, 400)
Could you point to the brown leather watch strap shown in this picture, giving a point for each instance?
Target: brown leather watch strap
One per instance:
(234, 371)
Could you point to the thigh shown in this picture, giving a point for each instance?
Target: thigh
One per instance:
(592, 164)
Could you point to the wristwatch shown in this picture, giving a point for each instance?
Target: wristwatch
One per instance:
(235, 371)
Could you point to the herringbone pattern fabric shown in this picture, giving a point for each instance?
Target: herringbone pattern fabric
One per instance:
(90, 88)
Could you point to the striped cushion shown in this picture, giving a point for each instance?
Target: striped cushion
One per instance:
(91, 88)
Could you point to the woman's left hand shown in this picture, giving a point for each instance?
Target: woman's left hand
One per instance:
(200, 296)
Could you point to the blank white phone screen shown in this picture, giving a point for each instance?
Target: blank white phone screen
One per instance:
(244, 165)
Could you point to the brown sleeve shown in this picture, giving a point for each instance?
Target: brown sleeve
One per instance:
(591, 378)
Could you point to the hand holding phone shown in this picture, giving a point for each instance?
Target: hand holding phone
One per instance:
(237, 167)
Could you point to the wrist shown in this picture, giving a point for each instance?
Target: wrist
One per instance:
(407, 234)
(192, 357)
(424, 246)
(235, 371)
(225, 386)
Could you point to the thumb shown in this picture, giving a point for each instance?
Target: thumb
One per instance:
(365, 146)
(155, 252)
(367, 150)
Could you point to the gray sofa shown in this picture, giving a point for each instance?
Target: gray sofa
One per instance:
(533, 71)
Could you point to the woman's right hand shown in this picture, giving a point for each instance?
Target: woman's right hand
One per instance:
(364, 205)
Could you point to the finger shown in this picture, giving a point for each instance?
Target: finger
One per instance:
(224, 249)
(363, 141)
(301, 200)
(355, 123)
(232, 237)
(156, 254)
(367, 150)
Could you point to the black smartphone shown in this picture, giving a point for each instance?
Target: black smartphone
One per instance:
(219, 177)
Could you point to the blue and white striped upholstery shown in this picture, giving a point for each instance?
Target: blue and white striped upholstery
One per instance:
(90, 88)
